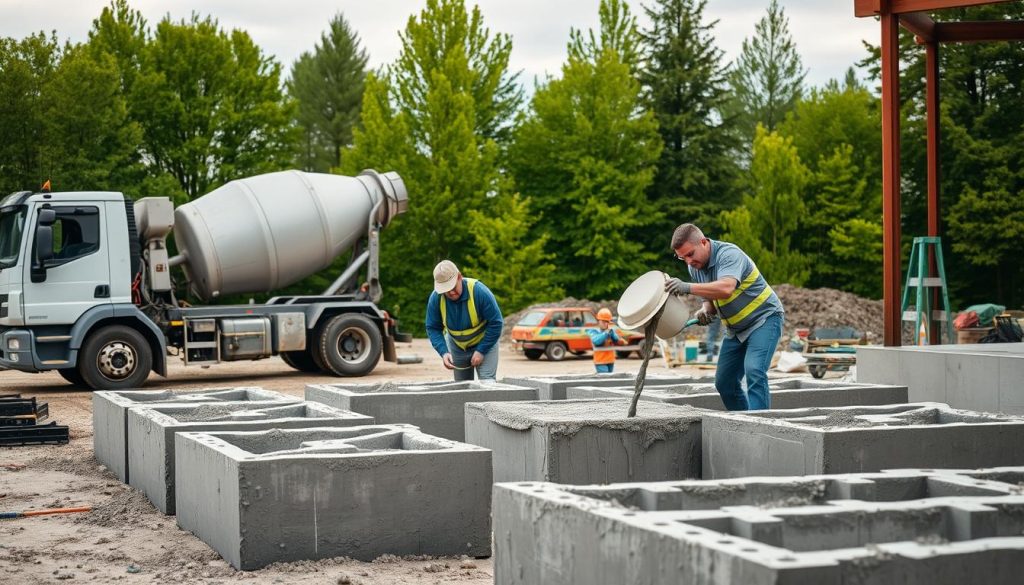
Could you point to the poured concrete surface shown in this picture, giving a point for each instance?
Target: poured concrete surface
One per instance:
(981, 376)
(151, 431)
(555, 387)
(914, 527)
(285, 495)
(587, 441)
(860, 438)
(110, 415)
(791, 393)
(436, 408)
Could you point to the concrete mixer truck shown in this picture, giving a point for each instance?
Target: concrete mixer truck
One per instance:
(87, 286)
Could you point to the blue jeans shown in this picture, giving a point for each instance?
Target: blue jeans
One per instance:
(487, 370)
(605, 368)
(750, 358)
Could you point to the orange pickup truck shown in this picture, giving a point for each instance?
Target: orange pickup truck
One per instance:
(553, 331)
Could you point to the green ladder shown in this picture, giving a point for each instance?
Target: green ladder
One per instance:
(917, 277)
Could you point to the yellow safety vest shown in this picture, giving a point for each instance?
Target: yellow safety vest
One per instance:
(732, 317)
(465, 338)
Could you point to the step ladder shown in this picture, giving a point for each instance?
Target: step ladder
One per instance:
(918, 277)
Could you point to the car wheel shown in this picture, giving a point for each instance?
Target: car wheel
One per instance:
(115, 358)
(533, 354)
(350, 345)
(555, 351)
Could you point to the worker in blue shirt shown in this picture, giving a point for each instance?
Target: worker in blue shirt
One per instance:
(464, 323)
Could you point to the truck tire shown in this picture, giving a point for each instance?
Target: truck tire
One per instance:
(533, 354)
(301, 361)
(555, 351)
(72, 375)
(114, 358)
(349, 345)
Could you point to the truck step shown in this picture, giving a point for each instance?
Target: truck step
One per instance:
(53, 338)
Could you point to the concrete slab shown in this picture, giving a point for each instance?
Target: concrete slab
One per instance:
(791, 393)
(436, 408)
(587, 441)
(110, 415)
(554, 387)
(287, 495)
(858, 438)
(916, 527)
(151, 431)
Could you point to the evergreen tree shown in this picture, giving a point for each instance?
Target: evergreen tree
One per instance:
(686, 87)
(327, 86)
(767, 78)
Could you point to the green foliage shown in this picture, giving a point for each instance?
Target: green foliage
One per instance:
(767, 78)
(585, 154)
(856, 246)
(327, 86)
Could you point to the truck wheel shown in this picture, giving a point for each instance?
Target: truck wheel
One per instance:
(350, 345)
(115, 358)
(301, 361)
(72, 375)
(555, 351)
(533, 354)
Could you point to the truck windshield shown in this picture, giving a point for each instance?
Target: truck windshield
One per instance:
(12, 225)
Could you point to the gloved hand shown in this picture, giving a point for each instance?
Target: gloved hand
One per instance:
(674, 286)
(703, 317)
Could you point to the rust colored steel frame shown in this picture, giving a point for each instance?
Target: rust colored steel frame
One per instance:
(932, 164)
(891, 178)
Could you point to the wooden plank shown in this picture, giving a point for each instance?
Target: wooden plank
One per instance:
(862, 8)
(891, 179)
(920, 24)
(976, 32)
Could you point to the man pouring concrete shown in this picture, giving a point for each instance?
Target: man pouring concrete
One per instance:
(464, 323)
(732, 289)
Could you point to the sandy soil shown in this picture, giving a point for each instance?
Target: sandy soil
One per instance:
(125, 540)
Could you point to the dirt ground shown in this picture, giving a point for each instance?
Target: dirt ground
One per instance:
(125, 540)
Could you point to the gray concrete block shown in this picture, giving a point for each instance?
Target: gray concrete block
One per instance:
(436, 408)
(287, 495)
(554, 387)
(972, 381)
(110, 415)
(1011, 386)
(151, 431)
(854, 439)
(873, 529)
(587, 441)
(791, 393)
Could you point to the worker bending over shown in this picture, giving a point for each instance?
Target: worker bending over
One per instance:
(732, 288)
(603, 338)
(464, 323)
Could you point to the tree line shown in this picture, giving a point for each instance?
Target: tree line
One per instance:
(574, 191)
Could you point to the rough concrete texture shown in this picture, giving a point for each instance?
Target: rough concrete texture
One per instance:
(792, 393)
(436, 408)
(914, 527)
(286, 495)
(858, 438)
(587, 441)
(110, 415)
(151, 431)
(981, 376)
(554, 387)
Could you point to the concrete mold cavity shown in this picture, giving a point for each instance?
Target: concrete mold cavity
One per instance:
(557, 387)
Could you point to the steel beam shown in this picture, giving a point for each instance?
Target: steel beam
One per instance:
(891, 178)
(976, 32)
(932, 121)
(863, 8)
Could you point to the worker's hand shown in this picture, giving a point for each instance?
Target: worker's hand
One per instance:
(477, 359)
(674, 286)
(703, 317)
(622, 341)
(448, 363)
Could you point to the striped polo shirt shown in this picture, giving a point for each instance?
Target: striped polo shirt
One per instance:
(751, 303)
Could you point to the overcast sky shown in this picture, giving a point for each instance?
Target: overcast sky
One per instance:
(826, 32)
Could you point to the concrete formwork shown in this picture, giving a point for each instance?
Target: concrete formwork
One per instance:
(916, 527)
(858, 438)
(587, 441)
(110, 415)
(555, 387)
(287, 495)
(436, 408)
(151, 431)
(792, 393)
(982, 376)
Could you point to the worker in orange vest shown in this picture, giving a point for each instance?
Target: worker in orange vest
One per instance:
(604, 337)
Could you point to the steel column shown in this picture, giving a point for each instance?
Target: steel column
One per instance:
(934, 210)
(891, 176)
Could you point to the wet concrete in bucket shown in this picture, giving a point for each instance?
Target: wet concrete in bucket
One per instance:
(645, 351)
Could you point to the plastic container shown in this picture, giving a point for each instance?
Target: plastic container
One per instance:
(644, 297)
(691, 349)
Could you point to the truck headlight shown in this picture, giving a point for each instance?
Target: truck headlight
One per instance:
(13, 357)
(13, 344)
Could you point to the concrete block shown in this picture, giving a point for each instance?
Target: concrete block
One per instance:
(791, 393)
(1011, 386)
(554, 387)
(436, 408)
(110, 415)
(858, 438)
(898, 527)
(972, 380)
(587, 441)
(287, 495)
(151, 431)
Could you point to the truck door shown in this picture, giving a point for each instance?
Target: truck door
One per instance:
(78, 275)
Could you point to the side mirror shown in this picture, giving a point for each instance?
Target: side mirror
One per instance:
(43, 245)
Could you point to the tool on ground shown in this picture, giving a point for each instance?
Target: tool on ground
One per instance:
(649, 331)
(46, 512)
(921, 312)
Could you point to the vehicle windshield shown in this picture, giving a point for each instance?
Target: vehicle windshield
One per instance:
(532, 318)
(12, 225)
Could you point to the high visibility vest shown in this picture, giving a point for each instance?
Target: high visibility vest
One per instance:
(733, 313)
(465, 338)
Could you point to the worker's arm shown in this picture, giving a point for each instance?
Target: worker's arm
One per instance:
(598, 337)
(487, 308)
(715, 291)
(435, 329)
